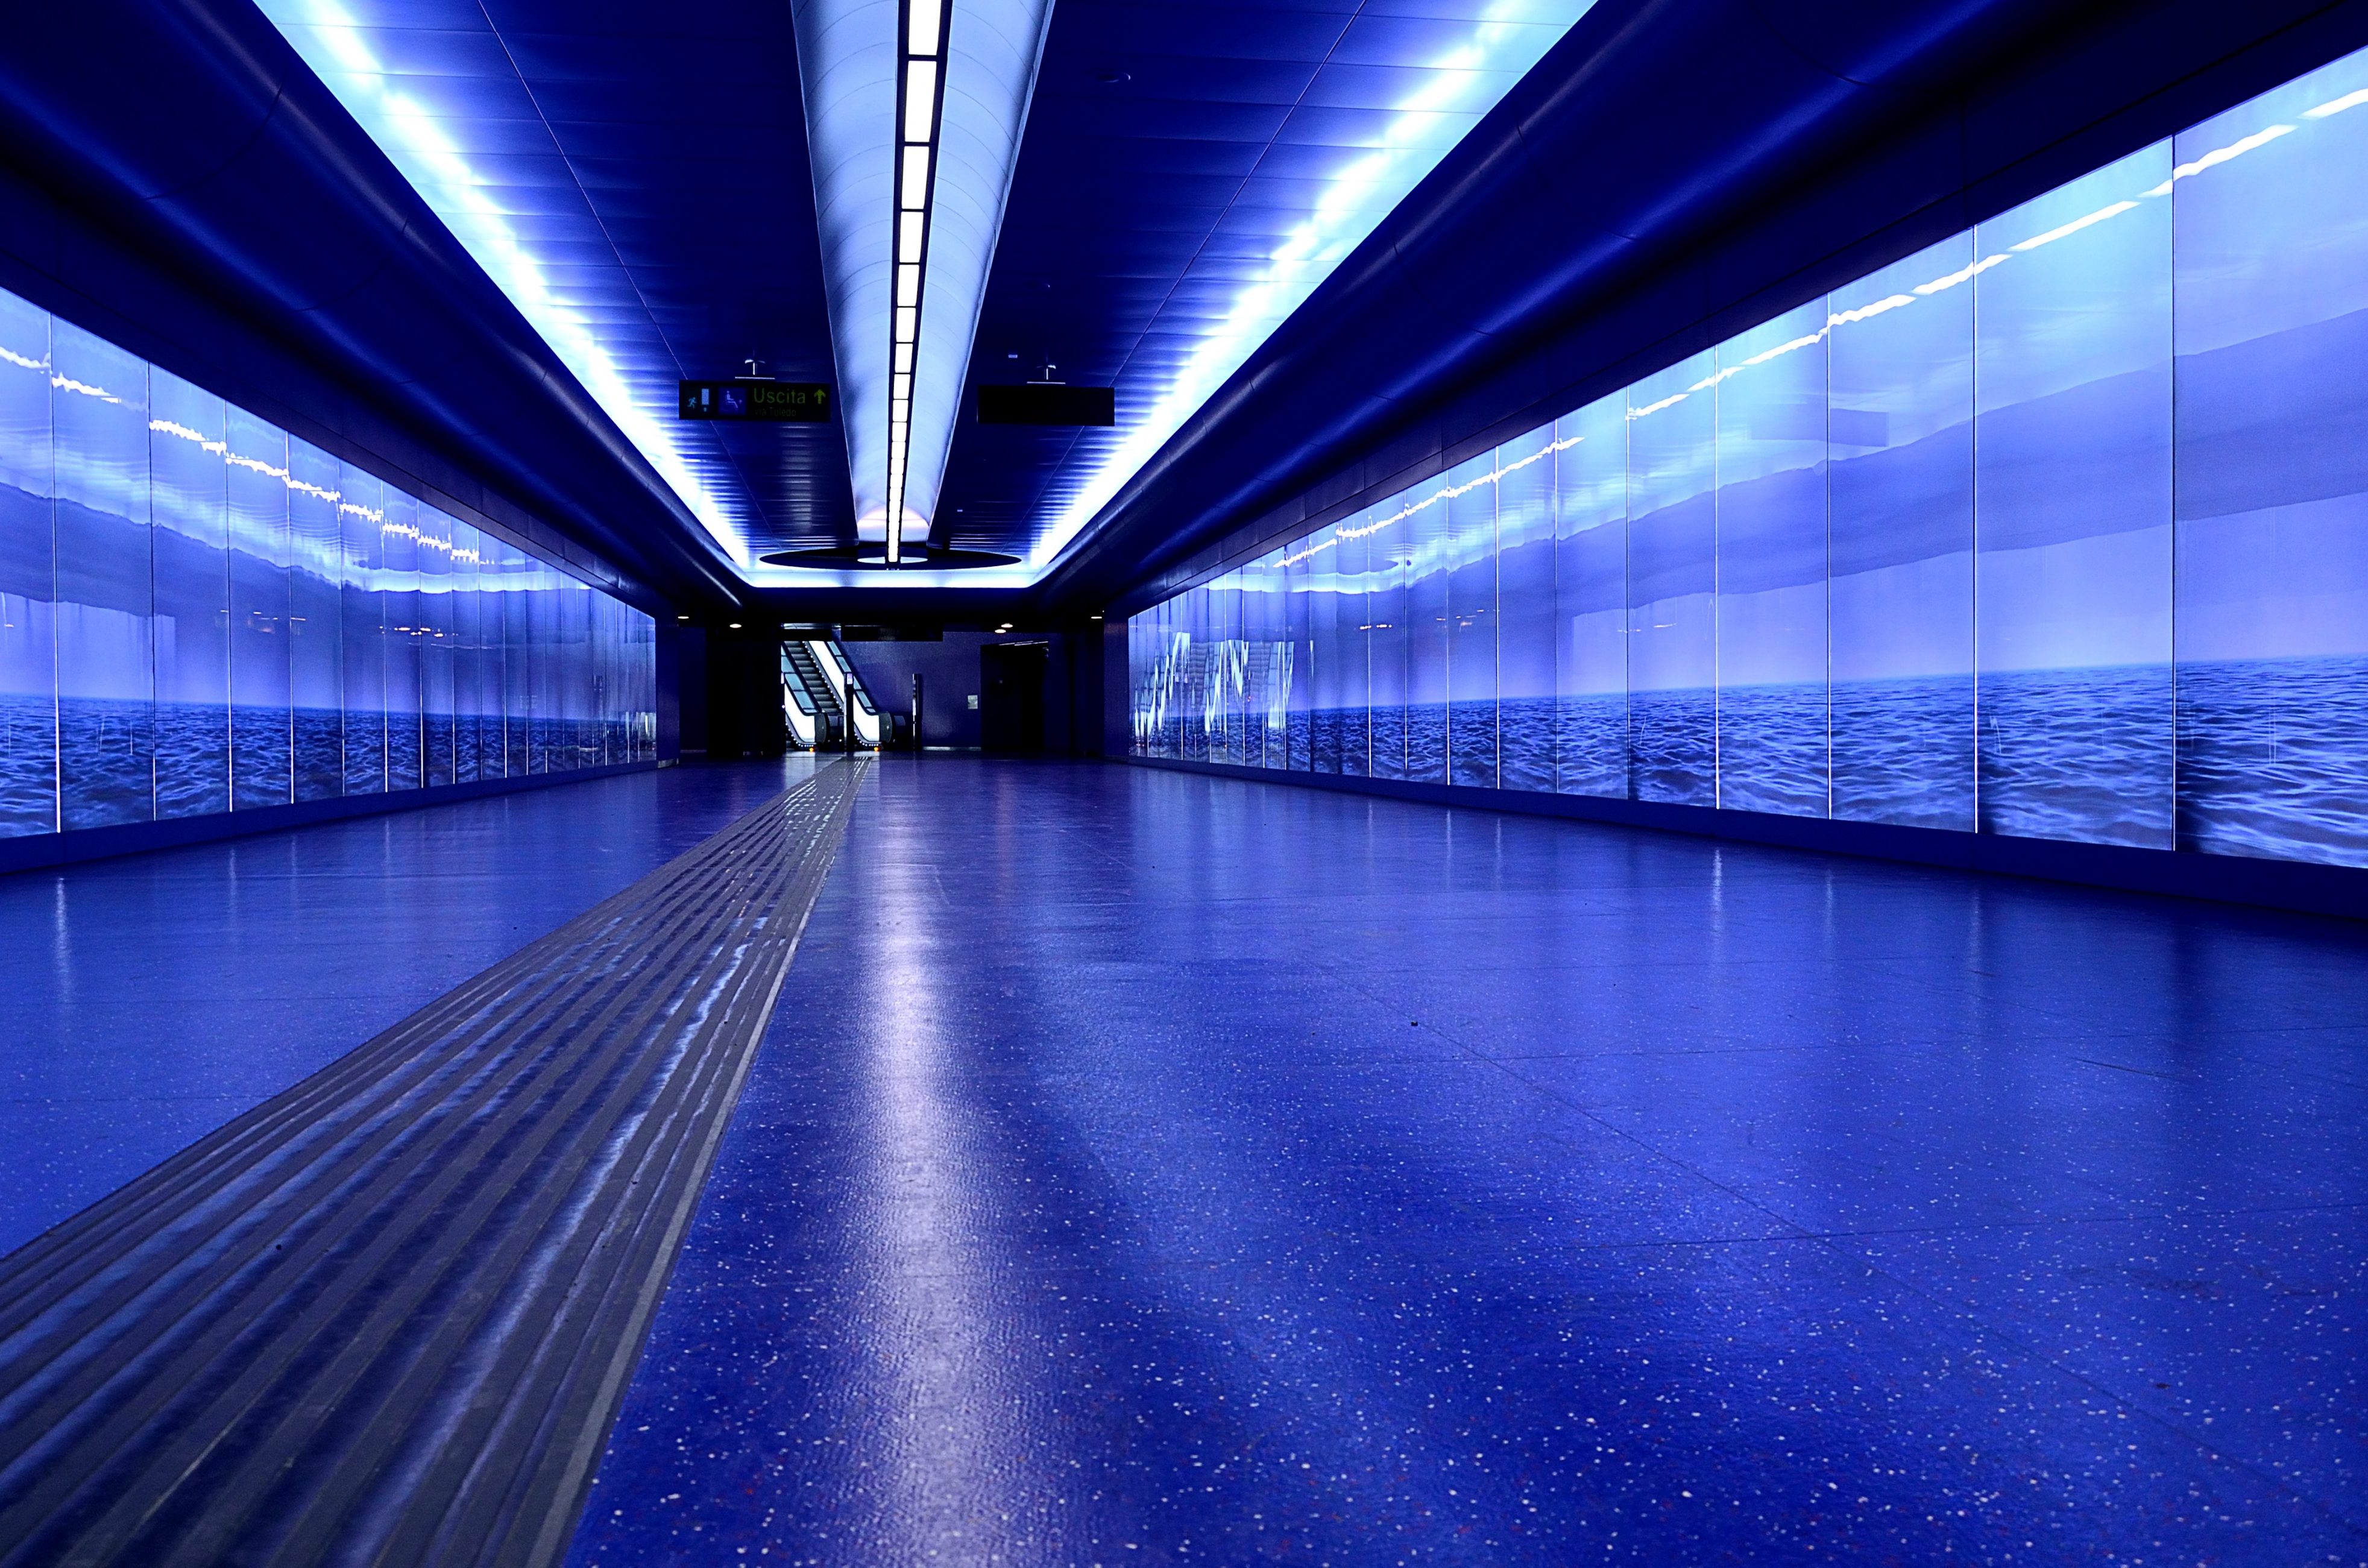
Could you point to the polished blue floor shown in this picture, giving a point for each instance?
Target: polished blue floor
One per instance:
(146, 1000)
(1151, 1168)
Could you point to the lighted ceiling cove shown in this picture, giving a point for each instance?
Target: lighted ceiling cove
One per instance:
(1371, 98)
(849, 59)
(1388, 102)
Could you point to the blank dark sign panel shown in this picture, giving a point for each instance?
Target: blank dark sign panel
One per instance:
(1040, 402)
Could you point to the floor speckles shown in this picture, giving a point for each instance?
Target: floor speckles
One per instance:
(1154, 1169)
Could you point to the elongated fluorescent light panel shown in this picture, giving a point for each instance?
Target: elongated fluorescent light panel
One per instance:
(419, 138)
(923, 40)
(889, 200)
(1459, 85)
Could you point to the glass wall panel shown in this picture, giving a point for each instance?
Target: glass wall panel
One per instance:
(1145, 638)
(1771, 515)
(1252, 634)
(595, 677)
(2272, 207)
(1208, 741)
(572, 744)
(1350, 559)
(1303, 657)
(29, 589)
(363, 629)
(616, 640)
(1386, 536)
(1470, 551)
(496, 756)
(1525, 611)
(596, 681)
(1211, 625)
(99, 414)
(190, 541)
(405, 751)
(518, 661)
(1246, 716)
(1590, 523)
(1184, 693)
(1226, 697)
(1161, 736)
(468, 658)
(200, 613)
(315, 619)
(1901, 489)
(2072, 488)
(1270, 670)
(616, 743)
(1249, 701)
(261, 738)
(645, 635)
(576, 601)
(1331, 628)
(434, 639)
(1192, 649)
(542, 642)
(1184, 689)
(1429, 546)
(1941, 549)
(583, 707)
(1145, 632)
(1672, 585)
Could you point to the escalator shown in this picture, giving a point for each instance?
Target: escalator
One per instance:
(861, 711)
(825, 698)
(817, 721)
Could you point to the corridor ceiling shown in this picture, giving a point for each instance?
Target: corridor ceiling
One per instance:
(640, 181)
(1321, 249)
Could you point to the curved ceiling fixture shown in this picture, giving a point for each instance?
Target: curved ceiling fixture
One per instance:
(423, 138)
(914, 114)
(1456, 87)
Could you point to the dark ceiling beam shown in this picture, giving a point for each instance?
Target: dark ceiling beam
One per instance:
(897, 606)
(1673, 172)
(173, 178)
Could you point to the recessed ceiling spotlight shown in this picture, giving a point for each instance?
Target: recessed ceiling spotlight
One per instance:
(734, 625)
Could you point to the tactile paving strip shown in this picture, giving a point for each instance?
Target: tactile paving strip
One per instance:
(387, 1317)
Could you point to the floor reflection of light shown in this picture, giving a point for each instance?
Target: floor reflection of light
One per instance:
(411, 134)
(932, 1301)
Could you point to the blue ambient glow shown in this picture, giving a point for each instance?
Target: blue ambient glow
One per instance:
(848, 56)
(1460, 87)
(2086, 563)
(431, 144)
